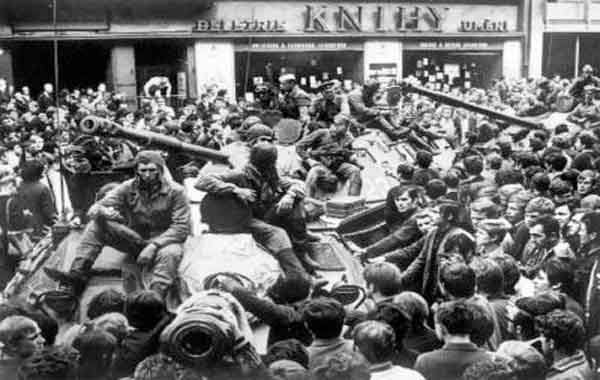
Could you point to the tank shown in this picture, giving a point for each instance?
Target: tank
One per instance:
(98, 126)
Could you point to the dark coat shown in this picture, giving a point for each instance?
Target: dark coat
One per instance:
(421, 275)
(285, 321)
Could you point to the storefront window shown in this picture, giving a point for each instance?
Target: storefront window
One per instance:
(446, 69)
(310, 67)
(559, 55)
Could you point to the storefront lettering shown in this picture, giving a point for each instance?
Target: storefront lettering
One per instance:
(486, 25)
(240, 26)
(299, 46)
(346, 19)
(452, 45)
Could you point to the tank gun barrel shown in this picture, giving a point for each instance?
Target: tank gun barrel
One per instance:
(452, 101)
(98, 126)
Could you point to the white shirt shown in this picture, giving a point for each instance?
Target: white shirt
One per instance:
(387, 371)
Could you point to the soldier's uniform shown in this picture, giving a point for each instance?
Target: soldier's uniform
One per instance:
(325, 108)
(326, 154)
(292, 102)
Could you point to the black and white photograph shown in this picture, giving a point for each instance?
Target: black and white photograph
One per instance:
(299, 190)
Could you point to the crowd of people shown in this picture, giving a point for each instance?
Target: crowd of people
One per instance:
(489, 269)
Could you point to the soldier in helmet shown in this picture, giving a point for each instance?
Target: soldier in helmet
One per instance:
(296, 103)
(277, 218)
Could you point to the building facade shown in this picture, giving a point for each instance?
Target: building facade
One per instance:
(239, 44)
(565, 35)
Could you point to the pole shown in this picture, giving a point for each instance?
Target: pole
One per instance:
(63, 216)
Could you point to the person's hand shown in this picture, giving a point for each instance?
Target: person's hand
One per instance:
(146, 257)
(285, 204)
(110, 213)
(245, 195)
(75, 222)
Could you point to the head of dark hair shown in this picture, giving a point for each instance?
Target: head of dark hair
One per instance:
(558, 187)
(396, 316)
(451, 179)
(385, 278)
(32, 171)
(458, 280)
(505, 149)
(508, 177)
(375, 340)
(483, 321)
(565, 329)
(288, 349)
(290, 289)
(456, 316)
(144, 309)
(489, 276)
(473, 165)
(582, 161)
(423, 159)
(561, 128)
(96, 348)
(435, 188)
(526, 159)
(592, 222)
(510, 272)
(550, 226)
(556, 161)
(107, 301)
(588, 139)
(560, 272)
(324, 317)
(405, 171)
(540, 182)
(536, 144)
(494, 161)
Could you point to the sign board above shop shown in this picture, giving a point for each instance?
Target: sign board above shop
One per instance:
(352, 18)
(299, 46)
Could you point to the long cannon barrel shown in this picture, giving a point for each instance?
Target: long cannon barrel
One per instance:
(452, 101)
(94, 125)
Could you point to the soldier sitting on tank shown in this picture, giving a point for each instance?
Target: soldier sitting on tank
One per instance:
(330, 103)
(362, 108)
(277, 218)
(586, 113)
(146, 216)
(329, 151)
(295, 101)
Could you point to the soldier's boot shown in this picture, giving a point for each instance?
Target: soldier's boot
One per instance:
(354, 184)
(289, 262)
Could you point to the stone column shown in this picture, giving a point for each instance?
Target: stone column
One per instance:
(122, 72)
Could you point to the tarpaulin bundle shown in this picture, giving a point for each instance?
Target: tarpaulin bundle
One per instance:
(209, 326)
